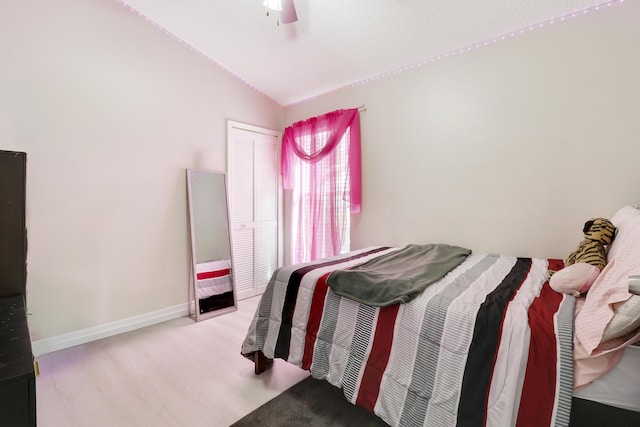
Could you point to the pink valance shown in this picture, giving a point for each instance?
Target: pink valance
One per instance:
(334, 124)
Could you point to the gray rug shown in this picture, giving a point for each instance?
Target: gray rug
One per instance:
(310, 403)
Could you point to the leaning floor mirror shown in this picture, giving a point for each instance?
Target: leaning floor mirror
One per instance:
(212, 290)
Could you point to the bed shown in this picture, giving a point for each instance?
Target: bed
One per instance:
(487, 343)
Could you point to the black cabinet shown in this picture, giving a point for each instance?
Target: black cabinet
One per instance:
(13, 236)
(17, 377)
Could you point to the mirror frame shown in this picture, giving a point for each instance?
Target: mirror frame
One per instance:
(194, 301)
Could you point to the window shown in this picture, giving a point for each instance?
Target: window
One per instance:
(321, 204)
(320, 162)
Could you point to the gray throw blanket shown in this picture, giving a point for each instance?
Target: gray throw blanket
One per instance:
(397, 277)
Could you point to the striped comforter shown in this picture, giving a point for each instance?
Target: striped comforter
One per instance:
(488, 344)
(213, 278)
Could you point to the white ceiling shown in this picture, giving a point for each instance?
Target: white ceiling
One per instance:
(339, 43)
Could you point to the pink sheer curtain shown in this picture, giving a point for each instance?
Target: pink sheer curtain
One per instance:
(320, 162)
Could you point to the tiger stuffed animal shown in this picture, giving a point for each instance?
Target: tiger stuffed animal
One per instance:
(584, 264)
(598, 233)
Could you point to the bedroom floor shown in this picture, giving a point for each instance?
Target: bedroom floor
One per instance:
(178, 373)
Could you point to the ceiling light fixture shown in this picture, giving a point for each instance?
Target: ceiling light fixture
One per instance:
(286, 8)
(273, 4)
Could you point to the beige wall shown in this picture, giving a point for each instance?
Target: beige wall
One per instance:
(111, 111)
(507, 148)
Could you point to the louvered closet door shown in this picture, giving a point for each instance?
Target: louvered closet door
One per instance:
(266, 210)
(253, 182)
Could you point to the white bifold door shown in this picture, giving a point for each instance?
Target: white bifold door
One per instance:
(254, 193)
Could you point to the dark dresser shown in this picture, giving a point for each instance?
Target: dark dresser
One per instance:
(17, 375)
(17, 378)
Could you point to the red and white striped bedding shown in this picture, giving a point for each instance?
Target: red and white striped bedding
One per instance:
(213, 278)
(489, 344)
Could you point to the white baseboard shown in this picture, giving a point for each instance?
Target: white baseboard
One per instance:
(59, 342)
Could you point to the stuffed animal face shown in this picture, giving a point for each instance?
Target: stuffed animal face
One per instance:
(599, 229)
(599, 232)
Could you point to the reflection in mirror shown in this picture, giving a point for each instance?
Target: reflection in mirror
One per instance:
(212, 290)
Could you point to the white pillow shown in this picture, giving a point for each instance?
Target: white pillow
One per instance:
(625, 220)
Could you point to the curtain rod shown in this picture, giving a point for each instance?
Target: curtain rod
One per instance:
(362, 108)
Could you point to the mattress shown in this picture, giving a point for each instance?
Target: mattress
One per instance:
(619, 387)
(213, 278)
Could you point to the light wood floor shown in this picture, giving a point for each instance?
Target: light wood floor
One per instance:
(178, 373)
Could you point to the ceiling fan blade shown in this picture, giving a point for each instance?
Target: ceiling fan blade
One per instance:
(288, 12)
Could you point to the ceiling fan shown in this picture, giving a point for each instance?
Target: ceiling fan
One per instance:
(286, 8)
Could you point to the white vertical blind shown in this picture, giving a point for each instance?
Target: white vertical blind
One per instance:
(307, 226)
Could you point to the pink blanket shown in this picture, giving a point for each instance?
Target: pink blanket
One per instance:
(595, 311)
